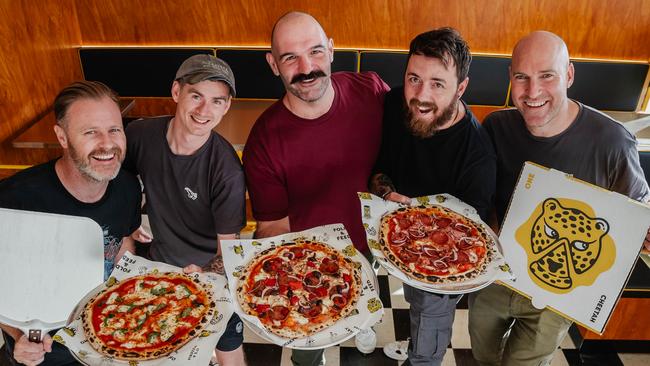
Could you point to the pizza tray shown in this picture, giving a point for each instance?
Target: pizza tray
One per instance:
(373, 208)
(238, 253)
(197, 351)
(48, 263)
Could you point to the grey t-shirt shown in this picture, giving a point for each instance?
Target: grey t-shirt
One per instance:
(189, 198)
(594, 148)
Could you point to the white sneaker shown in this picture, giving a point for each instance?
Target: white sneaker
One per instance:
(397, 350)
(366, 341)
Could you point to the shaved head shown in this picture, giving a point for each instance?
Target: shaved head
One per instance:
(293, 22)
(541, 43)
(540, 74)
(301, 55)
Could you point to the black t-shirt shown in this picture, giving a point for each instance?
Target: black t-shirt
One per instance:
(189, 198)
(594, 148)
(117, 212)
(458, 160)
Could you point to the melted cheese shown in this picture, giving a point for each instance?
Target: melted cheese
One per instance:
(111, 298)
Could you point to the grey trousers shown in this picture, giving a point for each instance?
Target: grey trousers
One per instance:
(431, 316)
(308, 358)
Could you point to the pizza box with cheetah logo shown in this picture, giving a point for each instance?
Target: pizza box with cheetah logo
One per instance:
(571, 245)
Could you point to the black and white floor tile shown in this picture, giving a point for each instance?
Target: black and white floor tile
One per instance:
(395, 325)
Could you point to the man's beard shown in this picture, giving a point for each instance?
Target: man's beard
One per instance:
(83, 164)
(301, 77)
(426, 128)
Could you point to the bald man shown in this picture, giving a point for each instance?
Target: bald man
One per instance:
(309, 154)
(550, 129)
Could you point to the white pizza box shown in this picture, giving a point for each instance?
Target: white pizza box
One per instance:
(555, 219)
(373, 208)
(238, 253)
(47, 263)
(197, 351)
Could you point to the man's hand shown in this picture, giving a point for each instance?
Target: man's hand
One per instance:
(191, 268)
(30, 353)
(215, 265)
(141, 235)
(646, 242)
(396, 197)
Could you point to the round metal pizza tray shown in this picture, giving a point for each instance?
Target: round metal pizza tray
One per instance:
(353, 327)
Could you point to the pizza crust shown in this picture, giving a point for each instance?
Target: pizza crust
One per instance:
(91, 317)
(297, 325)
(457, 273)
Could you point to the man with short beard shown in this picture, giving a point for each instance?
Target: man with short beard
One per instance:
(431, 143)
(86, 181)
(309, 153)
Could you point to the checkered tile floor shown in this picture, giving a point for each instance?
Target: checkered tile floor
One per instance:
(395, 325)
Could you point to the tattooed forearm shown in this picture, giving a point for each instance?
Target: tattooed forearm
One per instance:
(215, 265)
(381, 185)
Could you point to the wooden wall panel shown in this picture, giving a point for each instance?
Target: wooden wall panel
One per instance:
(628, 322)
(38, 58)
(617, 29)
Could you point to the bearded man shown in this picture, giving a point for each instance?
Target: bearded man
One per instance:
(432, 143)
(86, 181)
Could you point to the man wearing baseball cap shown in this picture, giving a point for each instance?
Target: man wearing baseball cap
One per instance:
(193, 180)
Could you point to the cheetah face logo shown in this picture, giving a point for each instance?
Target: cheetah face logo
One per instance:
(374, 305)
(566, 247)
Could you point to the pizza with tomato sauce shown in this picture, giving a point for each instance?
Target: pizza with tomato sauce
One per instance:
(434, 244)
(148, 316)
(299, 288)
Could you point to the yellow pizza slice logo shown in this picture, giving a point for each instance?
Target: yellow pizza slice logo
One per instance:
(566, 244)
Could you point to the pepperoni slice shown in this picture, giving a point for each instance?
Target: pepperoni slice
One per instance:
(298, 252)
(462, 227)
(404, 222)
(272, 265)
(407, 256)
(279, 312)
(416, 232)
(462, 258)
(329, 266)
(439, 237)
(339, 301)
(425, 219)
(398, 238)
(311, 311)
(258, 287)
(443, 222)
(312, 278)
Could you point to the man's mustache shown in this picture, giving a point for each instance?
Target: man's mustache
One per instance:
(312, 75)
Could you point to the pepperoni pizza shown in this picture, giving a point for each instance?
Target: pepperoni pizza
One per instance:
(435, 245)
(299, 288)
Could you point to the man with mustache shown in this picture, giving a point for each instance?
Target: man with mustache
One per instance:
(309, 154)
(86, 181)
(552, 130)
(193, 180)
(432, 143)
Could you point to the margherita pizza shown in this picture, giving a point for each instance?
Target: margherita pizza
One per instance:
(147, 316)
(434, 244)
(298, 289)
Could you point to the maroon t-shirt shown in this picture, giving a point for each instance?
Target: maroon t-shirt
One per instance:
(311, 170)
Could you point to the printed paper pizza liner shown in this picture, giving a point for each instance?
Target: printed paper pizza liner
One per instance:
(238, 253)
(373, 208)
(197, 351)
